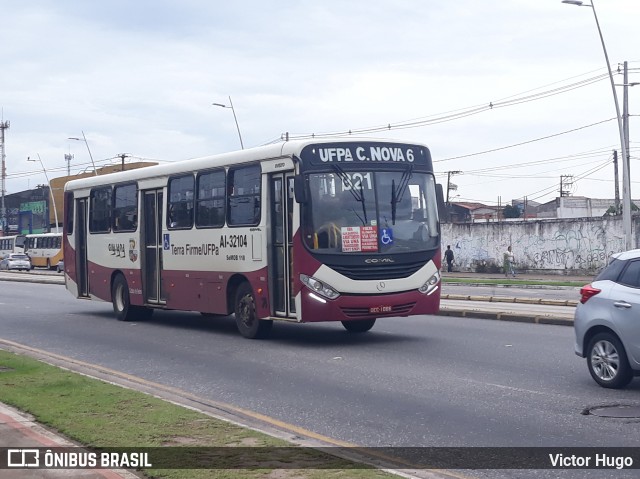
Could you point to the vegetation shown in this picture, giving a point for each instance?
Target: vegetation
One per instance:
(510, 211)
(99, 415)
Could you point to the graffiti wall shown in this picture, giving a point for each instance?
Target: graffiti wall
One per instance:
(560, 246)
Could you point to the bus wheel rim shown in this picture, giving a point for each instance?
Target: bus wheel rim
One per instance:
(119, 298)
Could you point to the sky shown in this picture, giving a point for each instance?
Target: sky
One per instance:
(511, 95)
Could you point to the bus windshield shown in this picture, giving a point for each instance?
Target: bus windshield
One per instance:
(371, 212)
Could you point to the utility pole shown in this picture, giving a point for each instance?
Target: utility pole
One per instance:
(451, 186)
(68, 158)
(625, 128)
(566, 181)
(4, 125)
(616, 181)
(122, 157)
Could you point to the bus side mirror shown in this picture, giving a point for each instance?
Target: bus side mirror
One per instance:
(440, 200)
(299, 189)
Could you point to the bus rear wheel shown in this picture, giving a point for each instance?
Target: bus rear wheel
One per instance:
(247, 321)
(122, 304)
(359, 326)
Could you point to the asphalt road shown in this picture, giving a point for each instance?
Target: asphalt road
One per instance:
(500, 290)
(426, 381)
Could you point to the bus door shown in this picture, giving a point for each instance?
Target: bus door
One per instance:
(152, 250)
(281, 245)
(82, 265)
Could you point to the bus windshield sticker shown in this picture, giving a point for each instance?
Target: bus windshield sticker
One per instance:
(369, 238)
(351, 239)
(359, 238)
(386, 236)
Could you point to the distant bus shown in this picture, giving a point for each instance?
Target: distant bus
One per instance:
(301, 231)
(45, 250)
(11, 244)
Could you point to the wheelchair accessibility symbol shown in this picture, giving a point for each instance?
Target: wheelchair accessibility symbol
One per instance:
(386, 236)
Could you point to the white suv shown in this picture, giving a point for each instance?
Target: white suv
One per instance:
(607, 322)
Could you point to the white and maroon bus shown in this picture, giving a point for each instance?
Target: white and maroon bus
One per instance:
(341, 230)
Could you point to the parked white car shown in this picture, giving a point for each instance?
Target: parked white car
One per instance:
(19, 261)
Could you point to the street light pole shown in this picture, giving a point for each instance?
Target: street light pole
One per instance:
(234, 117)
(84, 138)
(626, 181)
(53, 199)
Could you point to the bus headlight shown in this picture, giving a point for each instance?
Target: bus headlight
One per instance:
(431, 286)
(319, 287)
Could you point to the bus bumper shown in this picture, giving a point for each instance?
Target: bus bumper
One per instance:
(346, 307)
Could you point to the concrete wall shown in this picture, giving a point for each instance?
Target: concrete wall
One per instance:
(556, 246)
(580, 207)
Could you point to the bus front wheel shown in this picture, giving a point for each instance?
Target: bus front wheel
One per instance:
(359, 326)
(247, 321)
(122, 304)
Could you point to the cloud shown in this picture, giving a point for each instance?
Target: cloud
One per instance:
(140, 77)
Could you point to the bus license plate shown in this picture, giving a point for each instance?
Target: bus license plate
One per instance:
(380, 309)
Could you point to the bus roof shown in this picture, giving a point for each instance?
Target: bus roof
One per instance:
(260, 153)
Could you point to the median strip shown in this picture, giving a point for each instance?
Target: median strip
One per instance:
(97, 414)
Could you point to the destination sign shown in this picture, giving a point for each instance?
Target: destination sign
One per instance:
(365, 152)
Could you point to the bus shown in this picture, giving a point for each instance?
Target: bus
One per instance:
(11, 244)
(45, 249)
(303, 231)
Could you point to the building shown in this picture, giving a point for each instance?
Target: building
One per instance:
(565, 207)
(28, 211)
(32, 211)
(577, 207)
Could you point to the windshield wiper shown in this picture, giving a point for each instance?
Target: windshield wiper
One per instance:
(364, 208)
(398, 194)
(347, 182)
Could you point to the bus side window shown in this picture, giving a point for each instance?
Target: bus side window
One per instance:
(181, 200)
(125, 207)
(244, 185)
(69, 202)
(100, 210)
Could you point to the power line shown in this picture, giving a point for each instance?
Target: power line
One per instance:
(461, 113)
(576, 179)
(524, 142)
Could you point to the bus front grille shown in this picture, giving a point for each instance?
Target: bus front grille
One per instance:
(377, 272)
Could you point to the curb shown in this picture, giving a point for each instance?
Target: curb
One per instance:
(513, 285)
(500, 299)
(31, 279)
(20, 430)
(505, 316)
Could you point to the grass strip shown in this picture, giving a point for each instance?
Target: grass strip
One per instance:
(98, 414)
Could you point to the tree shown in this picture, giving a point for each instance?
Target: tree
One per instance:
(511, 212)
